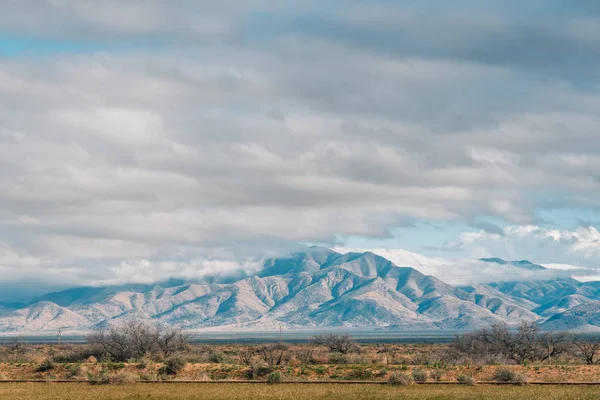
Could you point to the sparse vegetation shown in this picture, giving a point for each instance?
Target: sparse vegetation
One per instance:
(336, 343)
(507, 375)
(297, 392)
(465, 380)
(136, 339)
(420, 375)
(172, 366)
(274, 378)
(421, 362)
(400, 379)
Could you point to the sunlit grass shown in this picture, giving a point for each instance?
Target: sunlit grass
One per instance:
(290, 391)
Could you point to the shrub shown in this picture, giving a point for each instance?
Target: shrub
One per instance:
(73, 371)
(275, 354)
(508, 375)
(305, 356)
(400, 379)
(360, 374)
(336, 343)
(420, 375)
(437, 374)
(172, 366)
(338, 358)
(465, 380)
(122, 378)
(150, 376)
(216, 358)
(46, 365)
(113, 366)
(274, 378)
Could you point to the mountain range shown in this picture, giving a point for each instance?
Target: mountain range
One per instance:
(318, 288)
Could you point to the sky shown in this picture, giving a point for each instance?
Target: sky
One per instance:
(144, 140)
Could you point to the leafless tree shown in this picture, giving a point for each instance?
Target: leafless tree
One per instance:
(305, 355)
(336, 343)
(246, 356)
(274, 354)
(589, 348)
(134, 339)
(387, 351)
(17, 345)
(526, 343)
(172, 340)
(554, 344)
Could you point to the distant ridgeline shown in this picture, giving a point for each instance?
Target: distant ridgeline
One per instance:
(319, 288)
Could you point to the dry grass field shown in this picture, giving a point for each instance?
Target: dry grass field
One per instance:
(290, 391)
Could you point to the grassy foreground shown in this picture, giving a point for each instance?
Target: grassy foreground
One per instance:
(297, 392)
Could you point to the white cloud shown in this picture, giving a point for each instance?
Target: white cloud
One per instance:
(196, 126)
(553, 247)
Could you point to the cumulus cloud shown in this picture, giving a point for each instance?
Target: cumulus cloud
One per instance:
(471, 271)
(558, 249)
(196, 132)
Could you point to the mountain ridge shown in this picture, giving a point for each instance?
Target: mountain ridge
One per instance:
(315, 288)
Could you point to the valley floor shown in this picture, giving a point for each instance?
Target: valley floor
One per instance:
(289, 391)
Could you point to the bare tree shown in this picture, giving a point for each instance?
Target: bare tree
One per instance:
(172, 340)
(246, 356)
(589, 348)
(17, 345)
(274, 354)
(134, 339)
(305, 355)
(526, 343)
(553, 345)
(336, 343)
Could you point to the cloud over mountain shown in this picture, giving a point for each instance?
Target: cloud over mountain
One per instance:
(175, 138)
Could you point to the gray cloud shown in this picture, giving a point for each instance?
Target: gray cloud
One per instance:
(198, 132)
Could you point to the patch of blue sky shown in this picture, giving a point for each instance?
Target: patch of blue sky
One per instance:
(18, 46)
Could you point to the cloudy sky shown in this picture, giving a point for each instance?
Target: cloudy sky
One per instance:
(145, 139)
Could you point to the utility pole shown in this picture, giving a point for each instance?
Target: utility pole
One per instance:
(59, 335)
(280, 329)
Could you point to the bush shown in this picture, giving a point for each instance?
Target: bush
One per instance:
(336, 343)
(73, 371)
(122, 378)
(420, 375)
(400, 379)
(172, 366)
(274, 378)
(113, 366)
(136, 339)
(116, 378)
(216, 358)
(46, 365)
(508, 375)
(437, 374)
(338, 358)
(360, 374)
(465, 380)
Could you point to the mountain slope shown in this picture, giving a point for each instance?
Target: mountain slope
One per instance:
(315, 288)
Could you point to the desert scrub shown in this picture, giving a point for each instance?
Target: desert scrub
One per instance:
(420, 375)
(113, 378)
(46, 365)
(509, 376)
(359, 374)
(172, 366)
(216, 358)
(465, 380)
(112, 366)
(437, 374)
(274, 378)
(400, 379)
(73, 371)
(338, 358)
